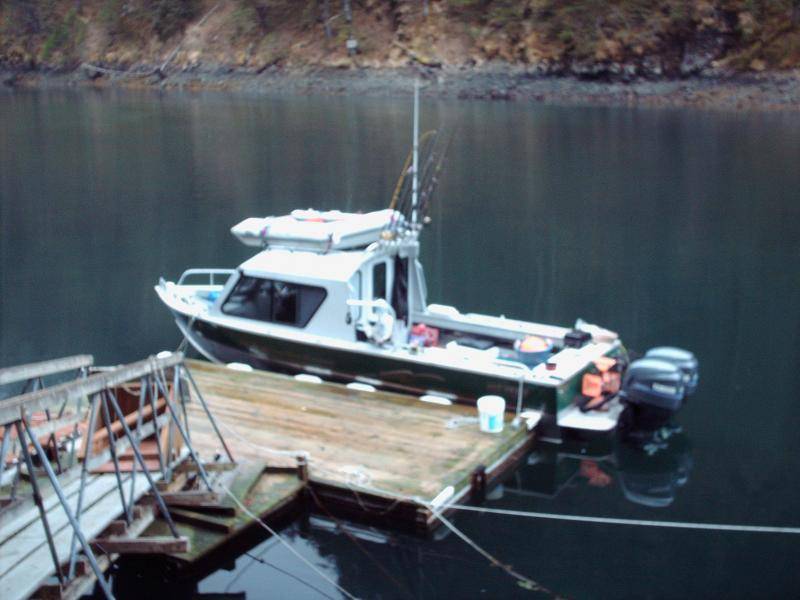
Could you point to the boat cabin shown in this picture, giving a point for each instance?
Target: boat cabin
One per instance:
(330, 274)
(350, 277)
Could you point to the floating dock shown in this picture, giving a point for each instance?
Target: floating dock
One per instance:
(187, 460)
(372, 456)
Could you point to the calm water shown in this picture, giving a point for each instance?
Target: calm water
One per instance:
(671, 227)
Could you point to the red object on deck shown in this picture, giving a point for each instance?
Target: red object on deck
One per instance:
(430, 335)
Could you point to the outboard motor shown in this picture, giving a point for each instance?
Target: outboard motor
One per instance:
(654, 390)
(684, 360)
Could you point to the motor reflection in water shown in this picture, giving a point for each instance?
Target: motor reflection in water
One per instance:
(649, 466)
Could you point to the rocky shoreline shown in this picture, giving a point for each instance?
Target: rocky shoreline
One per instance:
(770, 91)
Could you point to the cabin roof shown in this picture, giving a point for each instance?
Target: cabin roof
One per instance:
(294, 265)
(315, 230)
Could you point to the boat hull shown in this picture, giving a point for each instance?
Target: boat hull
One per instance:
(227, 345)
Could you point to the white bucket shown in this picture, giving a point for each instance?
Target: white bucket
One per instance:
(490, 413)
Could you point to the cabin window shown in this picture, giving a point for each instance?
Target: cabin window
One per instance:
(379, 281)
(274, 301)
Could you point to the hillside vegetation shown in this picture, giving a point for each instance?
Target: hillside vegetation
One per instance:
(616, 39)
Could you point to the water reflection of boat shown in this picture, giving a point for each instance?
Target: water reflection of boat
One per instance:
(649, 474)
(343, 296)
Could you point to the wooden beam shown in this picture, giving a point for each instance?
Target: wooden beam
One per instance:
(101, 435)
(191, 467)
(198, 519)
(143, 545)
(12, 409)
(44, 368)
(123, 443)
(47, 427)
(116, 528)
(192, 498)
(178, 481)
(214, 508)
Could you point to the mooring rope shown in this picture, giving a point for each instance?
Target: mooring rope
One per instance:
(366, 485)
(262, 561)
(527, 582)
(288, 546)
(399, 586)
(635, 522)
(364, 482)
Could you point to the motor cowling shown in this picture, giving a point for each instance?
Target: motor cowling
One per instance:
(684, 360)
(656, 383)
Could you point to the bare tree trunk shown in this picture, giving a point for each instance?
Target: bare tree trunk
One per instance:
(326, 18)
(261, 15)
(352, 43)
(795, 12)
(425, 9)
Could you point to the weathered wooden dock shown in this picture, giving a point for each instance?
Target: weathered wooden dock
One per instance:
(86, 465)
(372, 456)
(133, 460)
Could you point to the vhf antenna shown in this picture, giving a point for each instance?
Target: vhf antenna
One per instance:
(415, 163)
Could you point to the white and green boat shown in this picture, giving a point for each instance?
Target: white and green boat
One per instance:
(342, 296)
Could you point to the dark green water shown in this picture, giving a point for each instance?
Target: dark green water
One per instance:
(673, 227)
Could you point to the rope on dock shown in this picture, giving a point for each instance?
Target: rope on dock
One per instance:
(293, 453)
(288, 546)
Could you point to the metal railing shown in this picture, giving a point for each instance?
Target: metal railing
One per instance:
(161, 402)
(210, 273)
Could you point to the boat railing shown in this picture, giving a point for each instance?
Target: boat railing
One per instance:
(212, 274)
(512, 364)
(524, 371)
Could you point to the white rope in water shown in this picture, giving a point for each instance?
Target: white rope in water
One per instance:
(364, 482)
(635, 522)
(288, 546)
(527, 582)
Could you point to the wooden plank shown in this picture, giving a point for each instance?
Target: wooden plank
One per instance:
(142, 545)
(272, 496)
(27, 539)
(192, 498)
(11, 409)
(44, 368)
(116, 528)
(210, 507)
(123, 443)
(22, 515)
(191, 517)
(60, 425)
(85, 577)
(100, 437)
(177, 482)
(26, 575)
(25, 511)
(191, 467)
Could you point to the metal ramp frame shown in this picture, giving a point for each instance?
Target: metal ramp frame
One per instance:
(65, 510)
